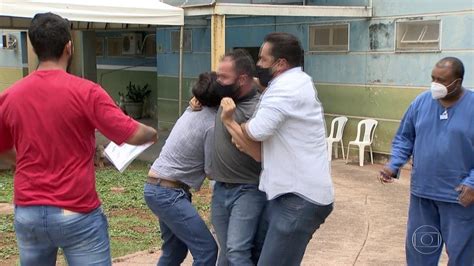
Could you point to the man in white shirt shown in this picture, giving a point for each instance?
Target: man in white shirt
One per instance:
(289, 123)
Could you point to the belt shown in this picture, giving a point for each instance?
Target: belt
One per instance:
(232, 185)
(166, 183)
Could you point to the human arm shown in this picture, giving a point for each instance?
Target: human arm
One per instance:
(107, 117)
(143, 134)
(402, 147)
(240, 139)
(7, 150)
(208, 150)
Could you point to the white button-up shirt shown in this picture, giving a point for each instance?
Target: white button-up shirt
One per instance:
(289, 122)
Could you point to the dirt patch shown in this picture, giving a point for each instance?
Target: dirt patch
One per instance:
(122, 239)
(117, 189)
(6, 208)
(140, 213)
(141, 229)
(8, 253)
(10, 261)
(145, 253)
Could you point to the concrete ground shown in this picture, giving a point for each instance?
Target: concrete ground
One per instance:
(367, 226)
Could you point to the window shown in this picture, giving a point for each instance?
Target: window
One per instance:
(99, 47)
(329, 38)
(187, 41)
(114, 46)
(253, 52)
(149, 47)
(418, 35)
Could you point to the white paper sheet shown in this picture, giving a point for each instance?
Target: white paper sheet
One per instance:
(122, 156)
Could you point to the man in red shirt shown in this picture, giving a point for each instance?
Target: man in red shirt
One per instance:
(47, 124)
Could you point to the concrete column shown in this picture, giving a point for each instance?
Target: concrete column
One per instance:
(217, 39)
(32, 57)
(84, 62)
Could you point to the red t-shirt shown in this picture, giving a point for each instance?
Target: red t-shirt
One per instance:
(50, 118)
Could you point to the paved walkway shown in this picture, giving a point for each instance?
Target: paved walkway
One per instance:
(367, 226)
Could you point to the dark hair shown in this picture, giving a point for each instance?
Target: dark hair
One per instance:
(243, 62)
(49, 33)
(286, 46)
(455, 64)
(204, 90)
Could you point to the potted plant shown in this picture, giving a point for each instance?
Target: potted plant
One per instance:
(134, 99)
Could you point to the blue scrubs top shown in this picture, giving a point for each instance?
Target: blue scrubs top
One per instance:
(441, 141)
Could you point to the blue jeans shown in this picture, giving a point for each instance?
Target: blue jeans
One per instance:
(433, 223)
(236, 210)
(181, 227)
(287, 225)
(41, 230)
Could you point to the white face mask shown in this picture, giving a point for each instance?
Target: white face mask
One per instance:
(439, 91)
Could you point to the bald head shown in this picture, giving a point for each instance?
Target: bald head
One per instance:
(454, 65)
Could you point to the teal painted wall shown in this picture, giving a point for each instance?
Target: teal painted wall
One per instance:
(196, 61)
(385, 104)
(12, 61)
(168, 99)
(371, 80)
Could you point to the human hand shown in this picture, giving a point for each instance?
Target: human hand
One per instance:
(228, 109)
(195, 104)
(386, 175)
(466, 195)
(240, 148)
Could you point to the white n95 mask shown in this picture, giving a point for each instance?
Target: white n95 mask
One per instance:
(438, 90)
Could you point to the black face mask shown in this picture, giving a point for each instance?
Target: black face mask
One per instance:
(230, 90)
(264, 75)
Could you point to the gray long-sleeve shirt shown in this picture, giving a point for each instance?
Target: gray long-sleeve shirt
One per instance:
(186, 155)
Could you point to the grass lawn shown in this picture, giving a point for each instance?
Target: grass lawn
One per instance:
(132, 226)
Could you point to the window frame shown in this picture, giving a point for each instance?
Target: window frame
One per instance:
(120, 38)
(397, 42)
(331, 27)
(184, 36)
(152, 36)
(103, 41)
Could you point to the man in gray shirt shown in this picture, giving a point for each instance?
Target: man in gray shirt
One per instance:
(183, 163)
(236, 202)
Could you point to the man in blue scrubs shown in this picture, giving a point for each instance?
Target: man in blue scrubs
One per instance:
(438, 130)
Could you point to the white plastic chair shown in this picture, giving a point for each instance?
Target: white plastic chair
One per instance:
(336, 137)
(368, 138)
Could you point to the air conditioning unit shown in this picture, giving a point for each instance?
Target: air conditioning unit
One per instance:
(9, 41)
(131, 43)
